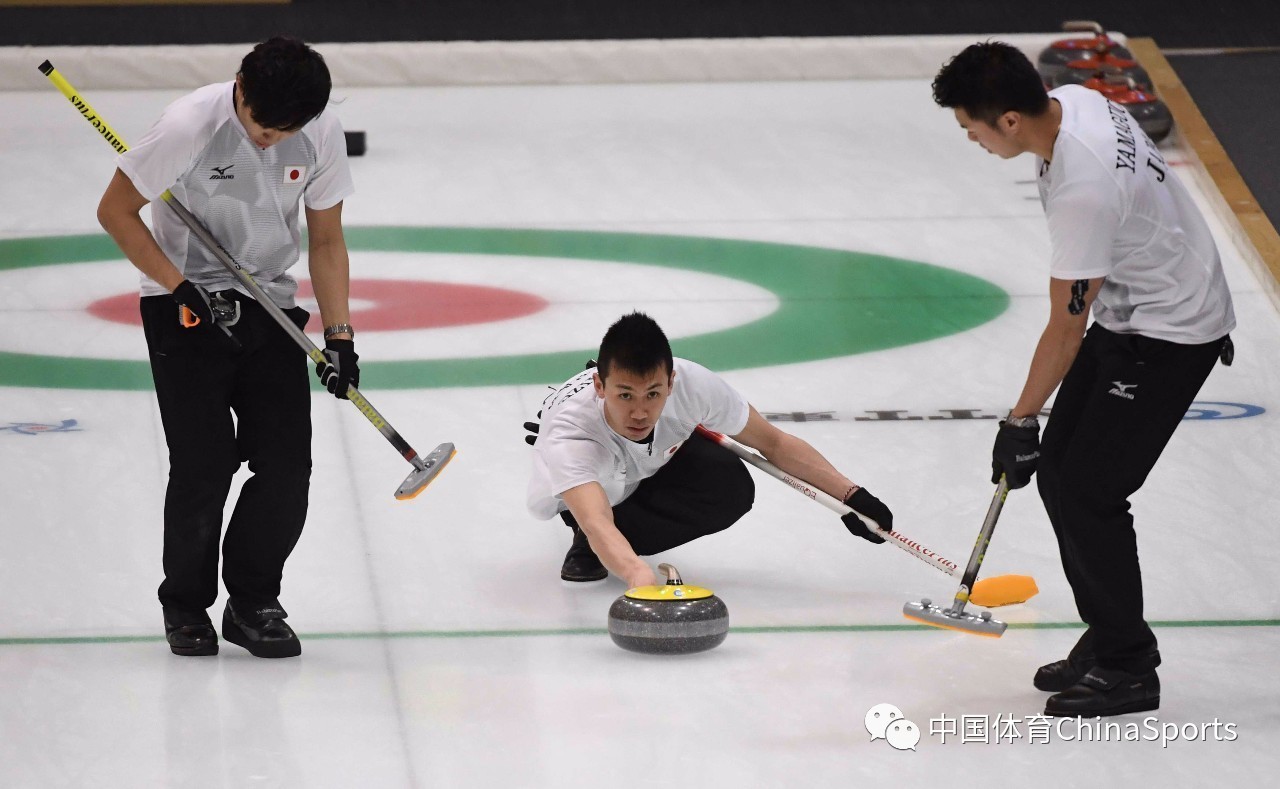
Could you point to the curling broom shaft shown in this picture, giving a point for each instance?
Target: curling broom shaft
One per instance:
(993, 592)
(980, 547)
(831, 502)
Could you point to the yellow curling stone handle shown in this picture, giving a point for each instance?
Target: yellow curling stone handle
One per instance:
(674, 589)
(680, 592)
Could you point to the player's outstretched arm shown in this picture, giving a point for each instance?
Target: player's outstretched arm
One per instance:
(796, 457)
(590, 508)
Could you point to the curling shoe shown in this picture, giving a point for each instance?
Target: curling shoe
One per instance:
(1059, 675)
(581, 563)
(191, 640)
(268, 638)
(1103, 692)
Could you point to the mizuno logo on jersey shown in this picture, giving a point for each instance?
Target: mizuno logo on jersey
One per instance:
(220, 173)
(1122, 390)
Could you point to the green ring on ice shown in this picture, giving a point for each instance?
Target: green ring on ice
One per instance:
(832, 303)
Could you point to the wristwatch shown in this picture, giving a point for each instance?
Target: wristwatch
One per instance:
(329, 331)
(1022, 421)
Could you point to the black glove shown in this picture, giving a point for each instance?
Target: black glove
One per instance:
(195, 299)
(1015, 454)
(532, 427)
(341, 370)
(198, 305)
(873, 508)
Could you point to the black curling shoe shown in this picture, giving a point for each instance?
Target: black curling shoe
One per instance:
(269, 638)
(195, 640)
(1106, 691)
(581, 563)
(1060, 674)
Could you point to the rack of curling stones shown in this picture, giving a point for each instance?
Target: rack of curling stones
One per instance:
(1099, 63)
(672, 619)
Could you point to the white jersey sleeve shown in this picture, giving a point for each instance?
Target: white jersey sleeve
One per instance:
(573, 447)
(172, 144)
(331, 182)
(709, 399)
(1083, 216)
(575, 461)
(569, 453)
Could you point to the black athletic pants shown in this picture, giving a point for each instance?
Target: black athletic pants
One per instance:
(703, 489)
(200, 381)
(1117, 407)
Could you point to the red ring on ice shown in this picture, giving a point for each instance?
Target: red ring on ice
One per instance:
(396, 305)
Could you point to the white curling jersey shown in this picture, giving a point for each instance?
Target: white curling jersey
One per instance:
(575, 444)
(1117, 210)
(245, 196)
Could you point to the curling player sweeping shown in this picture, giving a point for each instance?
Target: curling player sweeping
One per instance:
(1129, 245)
(240, 154)
(229, 349)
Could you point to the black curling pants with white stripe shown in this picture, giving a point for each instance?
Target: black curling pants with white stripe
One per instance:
(1115, 412)
(200, 383)
(702, 490)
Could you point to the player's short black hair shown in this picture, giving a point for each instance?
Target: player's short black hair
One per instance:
(635, 343)
(987, 80)
(286, 83)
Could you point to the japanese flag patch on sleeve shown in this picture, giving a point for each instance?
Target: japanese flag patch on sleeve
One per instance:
(294, 174)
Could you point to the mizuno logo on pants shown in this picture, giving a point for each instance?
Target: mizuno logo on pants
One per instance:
(1122, 390)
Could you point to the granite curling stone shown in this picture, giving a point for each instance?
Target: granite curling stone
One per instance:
(672, 619)
(1078, 72)
(1153, 117)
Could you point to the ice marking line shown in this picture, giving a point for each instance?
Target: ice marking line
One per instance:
(600, 631)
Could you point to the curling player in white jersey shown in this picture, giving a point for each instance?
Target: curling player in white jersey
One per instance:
(1129, 244)
(240, 155)
(617, 458)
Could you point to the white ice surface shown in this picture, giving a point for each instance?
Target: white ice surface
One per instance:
(400, 686)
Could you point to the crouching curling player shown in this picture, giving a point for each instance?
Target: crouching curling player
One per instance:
(618, 459)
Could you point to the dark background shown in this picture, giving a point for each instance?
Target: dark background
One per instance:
(1173, 23)
(1237, 92)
